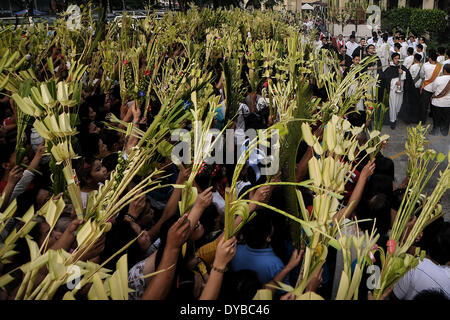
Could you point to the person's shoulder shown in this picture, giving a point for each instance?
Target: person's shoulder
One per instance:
(433, 270)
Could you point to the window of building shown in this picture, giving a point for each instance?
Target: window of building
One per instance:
(414, 3)
(443, 5)
(392, 4)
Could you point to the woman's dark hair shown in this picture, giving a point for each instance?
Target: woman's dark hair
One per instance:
(357, 119)
(109, 138)
(89, 144)
(84, 170)
(241, 285)
(83, 112)
(431, 294)
(440, 244)
(429, 233)
(379, 183)
(208, 176)
(384, 166)
(257, 230)
(110, 161)
(96, 101)
(6, 150)
(208, 220)
(378, 207)
(120, 234)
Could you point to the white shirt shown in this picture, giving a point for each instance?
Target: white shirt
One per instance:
(424, 50)
(317, 44)
(370, 41)
(383, 54)
(409, 60)
(351, 47)
(440, 59)
(438, 86)
(423, 56)
(413, 45)
(415, 70)
(404, 50)
(443, 64)
(427, 72)
(219, 202)
(391, 42)
(240, 123)
(425, 276)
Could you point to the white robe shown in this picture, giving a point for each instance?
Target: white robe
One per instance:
(383, 52)
(396, 99)
(351, 90)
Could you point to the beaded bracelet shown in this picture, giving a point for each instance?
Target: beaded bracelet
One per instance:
(131, 217)
(219, 270)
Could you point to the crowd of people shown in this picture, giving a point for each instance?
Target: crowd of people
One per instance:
(197, 262)
(415, 79)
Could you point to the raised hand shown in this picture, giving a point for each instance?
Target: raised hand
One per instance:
(205, 198)
(226, 250)
(178, 233)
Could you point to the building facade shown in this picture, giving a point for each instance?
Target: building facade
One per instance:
(296, 5)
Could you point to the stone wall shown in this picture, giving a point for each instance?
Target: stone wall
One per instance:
(347, 30)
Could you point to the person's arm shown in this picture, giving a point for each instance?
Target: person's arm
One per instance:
(315, 281)
(302, 167)
(28, 175)
(171, 207)
(225, 252)
(262, 194)
(68, 237)
(38, 156)
(124, 109)
(132, 140)
(160, 285)
(135, 208)
(293, 262)
(14, 176)
(357, 192)
(204, 199)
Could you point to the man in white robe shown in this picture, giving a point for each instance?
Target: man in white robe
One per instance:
(409, 60)
(396, 91)
(383, 52)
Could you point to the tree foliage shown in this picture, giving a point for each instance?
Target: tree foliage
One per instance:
(418, 21)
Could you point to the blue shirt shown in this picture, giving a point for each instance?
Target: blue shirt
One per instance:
(263, 261)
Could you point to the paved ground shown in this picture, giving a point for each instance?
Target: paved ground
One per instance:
(395, 150)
